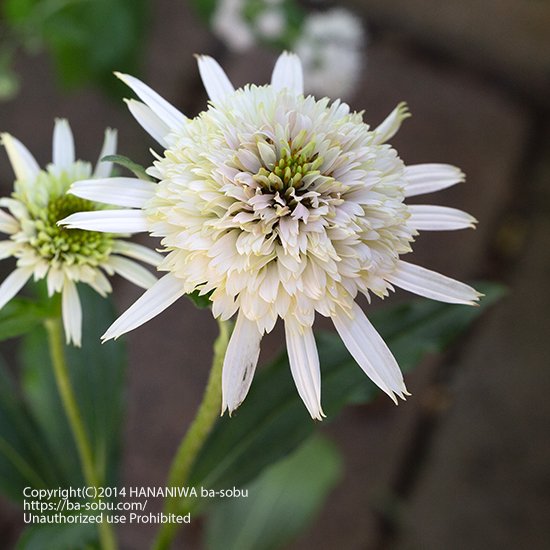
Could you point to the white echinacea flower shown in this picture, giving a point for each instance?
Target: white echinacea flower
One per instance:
(62, 256)
(279, 205)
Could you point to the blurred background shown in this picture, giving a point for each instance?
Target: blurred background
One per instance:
(464, 462)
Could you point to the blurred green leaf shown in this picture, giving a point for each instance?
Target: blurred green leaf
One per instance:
(129, 164)
(205, 8)
(73, 536)
(201, 302)
(272, 421)
(19, 316)
(281, 502)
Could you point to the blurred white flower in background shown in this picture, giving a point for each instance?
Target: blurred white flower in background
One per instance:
(231, 27)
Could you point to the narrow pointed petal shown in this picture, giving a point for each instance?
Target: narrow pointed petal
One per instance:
(155, 300)
(427, 217)
(432, 285)
(304, 365)
(131, 192)
(149, 121)
(428, 178)
(288, 73)
(23, 163)
(214, 79)
(371, 352)
(391, 124)
(8, 248)
(103, 169)
(8, 224)
(137, 252)
(72, 313)
(132, 271)
(240, 362)
(108, 221)
(13, 283)
(63, 144)
(169, 115)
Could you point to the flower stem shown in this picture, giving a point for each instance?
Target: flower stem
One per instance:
(193, 441)
(68, 399)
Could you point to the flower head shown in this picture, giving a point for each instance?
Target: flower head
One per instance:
(280, 205)
(62, 256)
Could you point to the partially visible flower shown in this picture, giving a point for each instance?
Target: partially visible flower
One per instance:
(275, 204)
(230, 25)
(271, 23)
(331, 47)
(62, 256)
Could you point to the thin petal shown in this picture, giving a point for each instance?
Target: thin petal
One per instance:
(133, 272)
(215, 81)
(63, 144)
(72, 313)
(103, 169)
(8, 248)
(155, 300)
(432, 285)
(288, 73)
(427, 217)
(108, 221)
(240, 362)
(391, 124)
(304, 365)
(149, 121)
(427, 178)
(137, 252)
(8, 224)
(131, 192)
(13, 283)
(371, 352)
(173, 118)
(23, 163)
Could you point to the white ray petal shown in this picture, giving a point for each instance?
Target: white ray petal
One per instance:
(432, 285)
(132, 192)
(391, 124)
(154, 301)
(132, 271)
(13, 283)
(149, 121)
(8, 224)
(304, 365)
(23, 163)
(103, 169)
(214, 79)
(108, 221)
(100, 283)
(428, 178)
(137, 252)
(7, 248)
(169, 115)
(288, 73)
(72, 313)
(63, 144)
(240, 362)
(427, 217)
(371, 352)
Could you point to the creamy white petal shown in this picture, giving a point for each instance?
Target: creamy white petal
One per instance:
(132, 192)
(391, 124)
(108, 221)
(288, 73)
(149, 121)
(23, 163)
(240, 362)
(8, 224)
(371, 352)
(215, 81)
(7, 248)
(13, 283)
(427, 217)
(72, 313)
(432, 285)
(154, 301)
(164, 110)
(132, 271)
(304, 365)
(137, 252)
(103, 169)
(63, 144)
(100, 283)
(428, 178)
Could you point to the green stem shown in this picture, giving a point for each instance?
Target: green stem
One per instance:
(193, 441)
(57, 352)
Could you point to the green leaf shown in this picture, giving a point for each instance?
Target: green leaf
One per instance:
(201, 302)
(205, 8)
(19, 316)
(73, 536)
(129, 164)
(272, 421)
(281, 502)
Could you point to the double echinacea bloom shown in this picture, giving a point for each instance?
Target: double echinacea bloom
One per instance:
(275, 204)
(45, 250)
